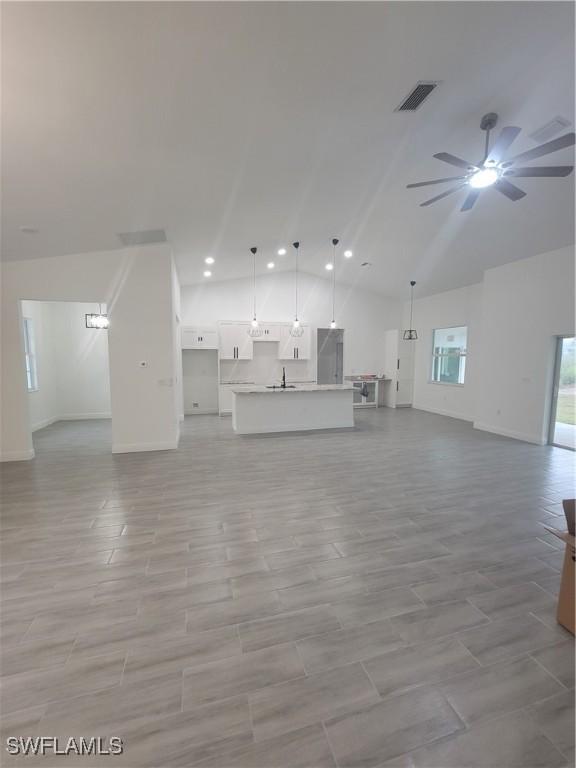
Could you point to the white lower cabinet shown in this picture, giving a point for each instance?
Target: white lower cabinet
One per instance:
(225, 399)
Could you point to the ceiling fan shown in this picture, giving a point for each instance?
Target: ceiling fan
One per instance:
(494, 170)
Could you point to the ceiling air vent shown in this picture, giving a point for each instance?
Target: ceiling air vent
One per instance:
(417, 96)
(548, 131)
(144, 237)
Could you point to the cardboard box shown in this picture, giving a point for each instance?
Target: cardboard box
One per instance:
(566, 598)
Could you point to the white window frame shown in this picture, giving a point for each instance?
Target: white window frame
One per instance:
(434, 356)
(30, 355)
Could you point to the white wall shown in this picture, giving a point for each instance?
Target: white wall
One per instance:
(43, 402)
(513, 317)
(525, 305)
(364, 315)
(72, 363)
(136, 284)
(444, 310)
(200, 380)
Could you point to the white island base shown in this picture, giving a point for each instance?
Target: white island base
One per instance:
(259, 409)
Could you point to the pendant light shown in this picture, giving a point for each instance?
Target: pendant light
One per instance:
(98, 321)
(296, 329)
(254, 331)
(411, 334)
(334, 244)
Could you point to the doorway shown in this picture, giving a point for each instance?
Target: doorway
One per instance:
(563, 413)
(330, 366)
(67, 376)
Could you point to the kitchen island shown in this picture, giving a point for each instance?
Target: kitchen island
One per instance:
(258, 409)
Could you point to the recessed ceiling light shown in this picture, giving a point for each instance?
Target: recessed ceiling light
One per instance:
(207, 273)
(281, 251)
(270, 265)
(209, 260)
(329, 266)
(28, 230)
(348, 254)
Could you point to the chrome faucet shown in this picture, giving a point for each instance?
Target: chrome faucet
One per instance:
(283, 378)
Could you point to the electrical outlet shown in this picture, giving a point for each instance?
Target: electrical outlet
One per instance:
(143, 363)
(195, 405)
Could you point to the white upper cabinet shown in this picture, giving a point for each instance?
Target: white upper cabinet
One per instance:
(235, 343)
(198, 338)
(294, 347)
(270, 332)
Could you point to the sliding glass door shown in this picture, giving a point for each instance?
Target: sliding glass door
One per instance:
(563, 416)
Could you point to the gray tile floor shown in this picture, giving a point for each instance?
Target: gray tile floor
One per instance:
(376, 597)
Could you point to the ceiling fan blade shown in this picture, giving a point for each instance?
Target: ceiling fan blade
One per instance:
(471, 198)
(457, 161)
(444, 194)
(511, 191)
(545, 149)
(434, 181)
(543, 170)
(507, 136)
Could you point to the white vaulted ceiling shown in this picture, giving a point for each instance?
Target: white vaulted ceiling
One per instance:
(238, 124)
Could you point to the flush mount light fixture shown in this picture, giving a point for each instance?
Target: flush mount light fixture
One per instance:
(209, 260)
(281, 251)
(97, 320)
(329, 266)
(410, 334)
(296, 329)
(335, 242)
(254, 331)
(348, 254)
(270, 265)
(207, 273)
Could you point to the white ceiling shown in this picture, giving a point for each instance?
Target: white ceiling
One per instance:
(239, 124)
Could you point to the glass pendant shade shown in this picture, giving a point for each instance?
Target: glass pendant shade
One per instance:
(410, 334)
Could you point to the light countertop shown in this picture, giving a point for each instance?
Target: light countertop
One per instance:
(262, 390)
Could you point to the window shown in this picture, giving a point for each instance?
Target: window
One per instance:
(30, 352)
(449, 355)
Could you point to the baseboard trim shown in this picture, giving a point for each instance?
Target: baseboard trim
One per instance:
(526, 438)
(140, 447)
(43, 423)
(83, 416)
(442, 412)
(17, 455)
(68, 417)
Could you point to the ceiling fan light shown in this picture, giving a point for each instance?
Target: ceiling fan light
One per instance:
(485, 177)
